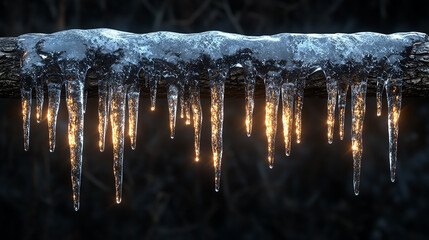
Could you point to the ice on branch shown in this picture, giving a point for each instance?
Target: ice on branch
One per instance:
(174, 61)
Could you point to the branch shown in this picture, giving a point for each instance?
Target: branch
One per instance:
(415, 68)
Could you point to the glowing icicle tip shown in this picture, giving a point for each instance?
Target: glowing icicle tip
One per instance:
(133, 95)
(217, 88)
(342, 99)
(117, 120)
(299, 101)
(288, 92)
(54, 97)
(75, 93)
(198, 119)
(358, 91)
(394, 97)
(103, 112)
(379, 94)
(39, 101)
(272, 95)
(331, 87)
(172, 95)
(26, 113)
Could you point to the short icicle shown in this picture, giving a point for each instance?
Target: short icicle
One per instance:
(39, 100)
(379, 94)
(249, 88)
(299, 102)
(172, 95)
(182, 99)
(133, 95)
(332, 89)
(103, 112)
(272, 95)
(26, 114)
(153, 85)
(394, 97)
(117, 120)
(217, 87)
(343, 88)
(54, 98)
(358, 91)
(288, 93)
(197, 118)
(74, 90)
(188, 107)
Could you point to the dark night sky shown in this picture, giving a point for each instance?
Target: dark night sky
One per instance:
(166, 195)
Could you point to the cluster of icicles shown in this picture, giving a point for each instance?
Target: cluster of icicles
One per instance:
(119, 89)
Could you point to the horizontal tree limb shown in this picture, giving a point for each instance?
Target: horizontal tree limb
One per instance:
(415, 68)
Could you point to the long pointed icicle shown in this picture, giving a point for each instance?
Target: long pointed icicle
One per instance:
(332, 89)
(197, 118)
(54, 97)
(172, 95)
(117, 120)
(272, 95)
(103, 112)
(249, 88)
(394, 97)
(358, 113)
(133, 95)
(288, 93)
(75, 133)
(379, 94)
(343, 87)
(39, 101)
(26, 114)
(217, 88)
(299, 102)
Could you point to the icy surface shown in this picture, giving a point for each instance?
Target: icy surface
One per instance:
(284, 61)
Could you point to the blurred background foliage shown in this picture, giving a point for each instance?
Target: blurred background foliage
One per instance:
(166, 195)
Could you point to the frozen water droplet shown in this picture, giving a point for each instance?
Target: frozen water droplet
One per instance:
(172, 95)
(54, 97)
(103, 112)
(198, 118)
(133, 95)
(75, 93)
(358, 91)
(272, 95)
(288, 94)
(26, 113)
(394, 97)
(331, 87)
(343, 88)
(39, 101)
(299, 102)
(217, 88)
(117, 120)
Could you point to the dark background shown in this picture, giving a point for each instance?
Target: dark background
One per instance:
(308, 195)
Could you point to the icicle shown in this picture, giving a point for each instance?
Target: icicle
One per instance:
(394, 97)
(117, 120)
(26, 113)
(272, 95)
(172, 107)
(54, 97)
(198, 118)
(182, 100)
(39, 101)
(103, 112)
(358, 91)
(153, 83)
(188, 108)
(249, 88)
(379, 94)
(75, 133)
(133, 95)
(299, 101)
(217, 87)
(331, 87)
(288, 93)
(343, 87)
